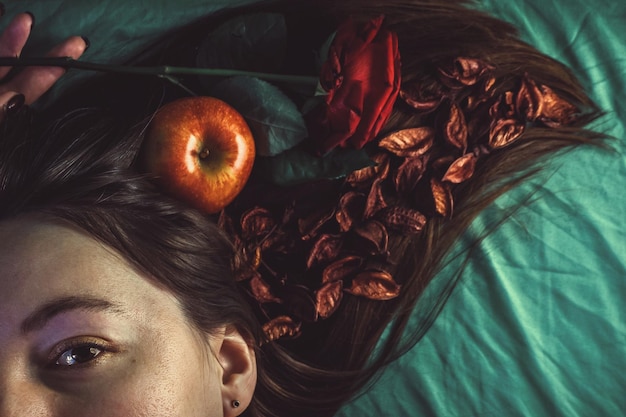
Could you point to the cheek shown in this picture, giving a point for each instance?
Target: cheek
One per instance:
(167, 383)
(179, 384)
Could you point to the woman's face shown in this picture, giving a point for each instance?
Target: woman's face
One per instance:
(83, 334)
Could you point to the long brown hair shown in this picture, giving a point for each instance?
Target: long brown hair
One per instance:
(82, 169)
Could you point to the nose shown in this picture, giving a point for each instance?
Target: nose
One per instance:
(22, 398)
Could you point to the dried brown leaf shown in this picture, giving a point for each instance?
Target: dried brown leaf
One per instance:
(529, 101)
(503, 107)
(375, 285)
(481, 93)
(225, 223)
(281, 326)
(409, 143)
(278, 241)
(556, 111)
(403, 220)
(418, 102)
(375, 200)
(350, 210)
(325, 249)
(310, 225)
(455, 132)
(409, 173)
(342, 269)
(299, 301)
(261, 290)
(467, 71)
(244, 274)
(441, 164)
(461, 169)
(373, 237)
(253, 255)
(442, 196)
(504, 132)
(327, 298)
(364, 176)
(256, 223)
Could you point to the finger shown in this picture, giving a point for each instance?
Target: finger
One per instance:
(34, 81)
(10, 102)
(14, 38)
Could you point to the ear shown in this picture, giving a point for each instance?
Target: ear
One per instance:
(238, 363)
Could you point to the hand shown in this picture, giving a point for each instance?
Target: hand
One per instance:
(31, 82)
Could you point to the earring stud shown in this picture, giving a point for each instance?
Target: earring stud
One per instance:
(235, 403)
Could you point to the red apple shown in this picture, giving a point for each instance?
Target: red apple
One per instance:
(202, 151)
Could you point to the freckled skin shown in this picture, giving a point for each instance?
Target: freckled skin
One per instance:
(161, 366)
(202, 150)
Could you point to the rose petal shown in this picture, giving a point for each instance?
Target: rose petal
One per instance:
(461, 169)
(281, 326)
(327, 298)
(411, 142)
(375, 285)
(362, 75)
(341, 269)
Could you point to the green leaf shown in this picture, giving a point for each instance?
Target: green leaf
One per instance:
(251, 42)
(298, 165)
(274, 119)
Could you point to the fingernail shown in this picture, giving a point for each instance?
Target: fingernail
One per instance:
(14, 104)
(87, 42)
(32, 18)
(2, 9)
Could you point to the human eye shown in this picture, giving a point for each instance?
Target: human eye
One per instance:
(78, 353)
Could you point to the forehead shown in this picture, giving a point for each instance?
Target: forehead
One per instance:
(41, 259)
(31, 246)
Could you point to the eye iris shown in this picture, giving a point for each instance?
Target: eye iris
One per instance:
(78, 355)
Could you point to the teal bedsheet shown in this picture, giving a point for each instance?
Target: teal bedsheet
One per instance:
(536, 325)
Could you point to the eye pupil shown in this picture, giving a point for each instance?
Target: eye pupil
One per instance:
(78, 355)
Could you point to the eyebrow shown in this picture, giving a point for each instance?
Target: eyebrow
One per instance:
(42, 315)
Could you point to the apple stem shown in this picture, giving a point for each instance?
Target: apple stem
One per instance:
(159, 71)
(204, 153)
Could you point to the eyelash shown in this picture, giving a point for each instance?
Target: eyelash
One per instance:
(55, 360)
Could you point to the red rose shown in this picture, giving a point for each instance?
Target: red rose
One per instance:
(362, 77)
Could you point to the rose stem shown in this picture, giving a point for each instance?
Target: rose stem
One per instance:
(159, 71)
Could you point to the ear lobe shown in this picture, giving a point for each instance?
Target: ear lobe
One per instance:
(238, 362)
